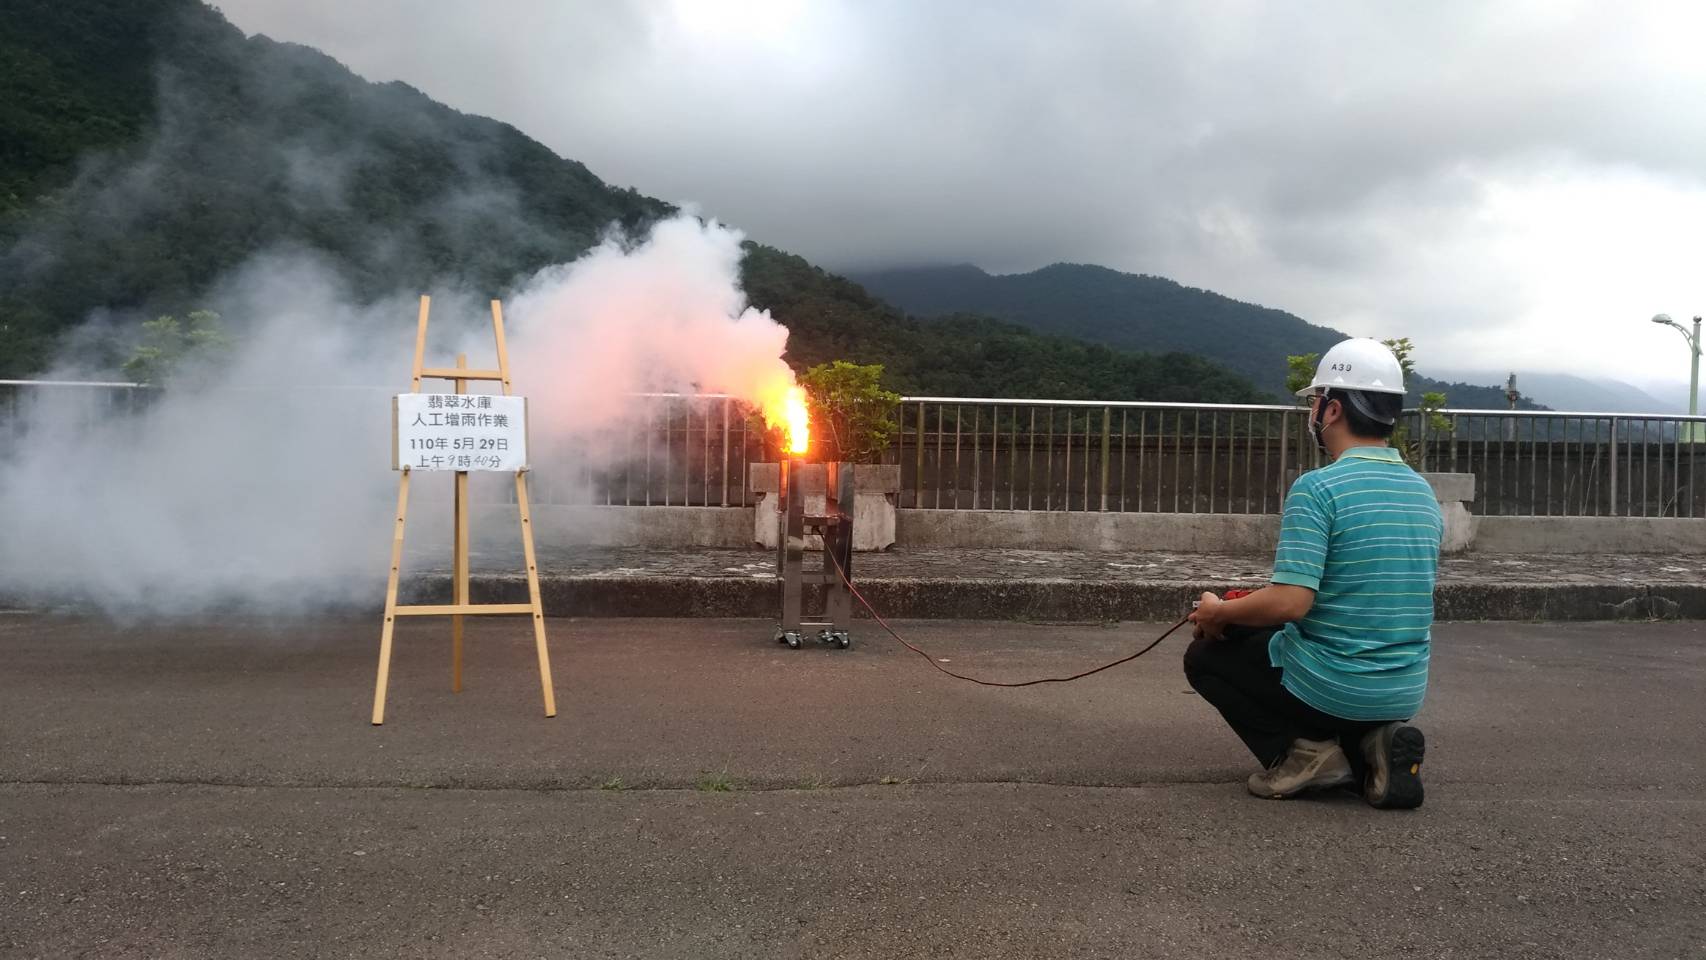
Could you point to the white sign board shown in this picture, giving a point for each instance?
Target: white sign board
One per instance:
(449, 431)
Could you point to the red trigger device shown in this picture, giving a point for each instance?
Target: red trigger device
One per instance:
(1228, 595)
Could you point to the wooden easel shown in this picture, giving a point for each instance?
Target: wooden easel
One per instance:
(460, 605)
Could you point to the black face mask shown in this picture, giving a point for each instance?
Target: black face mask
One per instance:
(1316, 425)
(1318, 417)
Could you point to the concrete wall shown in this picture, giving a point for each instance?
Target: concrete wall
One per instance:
(1589, 535)
(732, 528)
(874, 488)
(1058, 530)
(600, 526)
(1242, 533)
(1454, 491)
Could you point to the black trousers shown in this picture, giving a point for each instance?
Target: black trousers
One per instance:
(1233, 674)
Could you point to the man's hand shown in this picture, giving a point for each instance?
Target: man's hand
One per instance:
(1209, 616)
(1271, 606)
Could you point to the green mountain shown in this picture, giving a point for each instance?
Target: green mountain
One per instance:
(1138, 312)
(148, 147)
(830, 317)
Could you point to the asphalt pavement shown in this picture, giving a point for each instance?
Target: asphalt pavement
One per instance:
(215, 789)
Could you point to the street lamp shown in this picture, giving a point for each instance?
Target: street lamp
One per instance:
(1693, 367)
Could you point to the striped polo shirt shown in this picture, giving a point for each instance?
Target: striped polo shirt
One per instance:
(1362, 532)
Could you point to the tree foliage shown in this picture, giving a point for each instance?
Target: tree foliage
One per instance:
(1300, 372)
(1414, 448)
(852, 415)
(170, 345)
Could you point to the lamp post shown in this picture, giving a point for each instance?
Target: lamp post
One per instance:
(1693, 367)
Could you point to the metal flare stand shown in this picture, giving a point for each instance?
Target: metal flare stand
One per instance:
(835, 526)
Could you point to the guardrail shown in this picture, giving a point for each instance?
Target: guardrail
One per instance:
(76, 404)
(673, 450)
(963, 453)
(1562, 463)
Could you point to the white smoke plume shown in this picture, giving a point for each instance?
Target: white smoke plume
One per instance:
(267, 483)
(666, 315)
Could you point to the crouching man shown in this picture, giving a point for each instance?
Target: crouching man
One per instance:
(1319, 672)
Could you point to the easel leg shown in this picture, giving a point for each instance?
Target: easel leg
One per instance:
(533, 594)
(389, 628)
(459, 579)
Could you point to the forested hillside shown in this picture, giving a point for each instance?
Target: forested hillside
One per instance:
(151, 147)
(1138, 312)
(148, 147)
(967, 355)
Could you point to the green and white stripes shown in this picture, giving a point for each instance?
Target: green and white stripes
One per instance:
(1364, 534)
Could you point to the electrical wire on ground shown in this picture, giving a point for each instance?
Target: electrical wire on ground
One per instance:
(992, 683)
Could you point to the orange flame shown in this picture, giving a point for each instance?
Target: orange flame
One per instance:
(787, 410)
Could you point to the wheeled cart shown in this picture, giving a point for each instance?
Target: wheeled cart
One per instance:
(835, 526)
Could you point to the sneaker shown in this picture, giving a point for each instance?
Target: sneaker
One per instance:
(1310, 765)
(1394, 754)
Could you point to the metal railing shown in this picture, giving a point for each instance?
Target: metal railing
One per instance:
(1559, 463)
(673, 450)
(958, 453)
(74, 404)
(669, 450)
(963, 453)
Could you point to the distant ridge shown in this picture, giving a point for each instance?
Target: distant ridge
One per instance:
(1136, 312)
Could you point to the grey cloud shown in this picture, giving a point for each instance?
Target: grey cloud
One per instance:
(1310, 151)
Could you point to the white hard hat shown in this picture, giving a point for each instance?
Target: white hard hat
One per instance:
(1357, 364)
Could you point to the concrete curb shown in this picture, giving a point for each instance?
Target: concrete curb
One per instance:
(941, 598)
(1073, 600)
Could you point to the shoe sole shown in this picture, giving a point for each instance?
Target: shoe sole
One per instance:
(1403, 757)
(1313, 787)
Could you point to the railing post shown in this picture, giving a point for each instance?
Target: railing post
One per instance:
(1107, 415)
(1611, 485)
(1454, 441)
(1422, 437)
(918, 476)
(725, 451)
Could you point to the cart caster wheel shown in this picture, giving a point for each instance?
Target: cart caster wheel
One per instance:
(792, 640)
(844, 641)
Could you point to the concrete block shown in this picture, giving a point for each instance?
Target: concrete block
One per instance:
(877, 478)
(1455, 491)
(1460, 527)
(766, 517)
(867, 477)
(1590, 535)
(875, 487)
(1452, 487)
(873, 521)
(1060, 530)
(602, 526)
(766, 477)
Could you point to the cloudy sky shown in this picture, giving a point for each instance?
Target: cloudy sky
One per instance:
(1511, 183)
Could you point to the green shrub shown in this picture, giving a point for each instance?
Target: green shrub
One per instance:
(853, 417)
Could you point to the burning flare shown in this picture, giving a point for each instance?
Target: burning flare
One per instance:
(786, 408)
